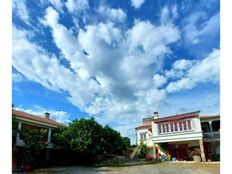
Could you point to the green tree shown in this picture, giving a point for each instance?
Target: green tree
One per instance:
(143, 150)
(35, 141)
(86, 136)
(126, 142)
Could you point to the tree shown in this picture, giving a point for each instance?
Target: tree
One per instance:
(126, 142)
(143, 150)
(86, 136)
(35, 141)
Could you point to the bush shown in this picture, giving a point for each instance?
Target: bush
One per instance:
(143, 150)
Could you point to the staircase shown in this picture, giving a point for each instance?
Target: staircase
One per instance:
(135, 151)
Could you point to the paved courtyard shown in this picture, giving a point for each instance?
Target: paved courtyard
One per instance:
(161, 168)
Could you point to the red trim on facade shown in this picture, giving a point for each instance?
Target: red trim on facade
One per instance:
(35, 118)
(202, 117)
(177, 117)
(143, 126)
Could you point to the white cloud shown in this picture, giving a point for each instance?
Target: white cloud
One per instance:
(159, 80)
(112, 69)
(195, 33)
(205, 70)
(76, 6)
(20, 9)
(182, 64)
(112, 14)
(16, 77)
(57, 4)
(164, 18)
(174, 12)
(57, 115)
(137, 3)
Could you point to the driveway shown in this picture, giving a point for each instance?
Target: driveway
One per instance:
(160, 168)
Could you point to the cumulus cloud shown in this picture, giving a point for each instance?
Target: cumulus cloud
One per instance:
(159, 80)
(112, 70)
(137, 3)
(205, 70)
(182, 64)
(57, 4)
(17, 77)
(115, 15)
(57, 115)
(195, 33)
(76, 6)
(20, 9)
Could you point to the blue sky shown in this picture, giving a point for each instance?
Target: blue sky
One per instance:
(117, 61)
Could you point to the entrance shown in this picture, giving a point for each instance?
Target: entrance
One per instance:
(178, 151)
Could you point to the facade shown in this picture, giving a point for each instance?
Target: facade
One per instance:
(22, 120)
(182, 135)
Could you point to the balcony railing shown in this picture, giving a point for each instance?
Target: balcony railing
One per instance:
(211, 135)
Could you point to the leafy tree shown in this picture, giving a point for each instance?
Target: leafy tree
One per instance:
(35, 140)
(126, 142)
(143, 150)
(86, 136)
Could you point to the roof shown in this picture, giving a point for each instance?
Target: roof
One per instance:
(35, 118)
(204, 117)
(143, 126)
(177, 117)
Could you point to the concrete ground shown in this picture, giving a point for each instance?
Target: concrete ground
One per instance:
(159, 168)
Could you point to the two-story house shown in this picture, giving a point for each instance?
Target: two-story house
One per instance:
(181, 134)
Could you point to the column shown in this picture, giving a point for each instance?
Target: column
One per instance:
(154, 151)
(49, 135)
(19, 125)
(17, 134)
(210, 126)
(202, 150)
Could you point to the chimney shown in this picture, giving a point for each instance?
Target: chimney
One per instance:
(156, 115)
(47, 115)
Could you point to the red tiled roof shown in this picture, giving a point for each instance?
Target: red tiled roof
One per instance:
(202, 117)
(35, 118)
(143, 126)
(177, 117)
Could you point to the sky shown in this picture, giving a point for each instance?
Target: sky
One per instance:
(117, 61)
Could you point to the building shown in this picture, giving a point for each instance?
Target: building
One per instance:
(22, 120)
(182, 135)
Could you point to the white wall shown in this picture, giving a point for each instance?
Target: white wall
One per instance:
(148, 140)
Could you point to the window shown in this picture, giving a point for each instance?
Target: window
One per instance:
(167, 127)
(142, 136)
(180, 125)
(205, 127)
(185, 125)
(163, 128)
(159, 128)
(189, 125)
(216, 125)
(175, 125)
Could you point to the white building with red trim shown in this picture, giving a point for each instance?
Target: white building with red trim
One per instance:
(182, 134)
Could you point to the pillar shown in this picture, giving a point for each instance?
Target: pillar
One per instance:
(49, 135)
(202, 150)
(17, 134)
(19, 125)
(154, 151)
(210, 126)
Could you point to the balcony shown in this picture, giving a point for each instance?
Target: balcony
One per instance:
(211, 135)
